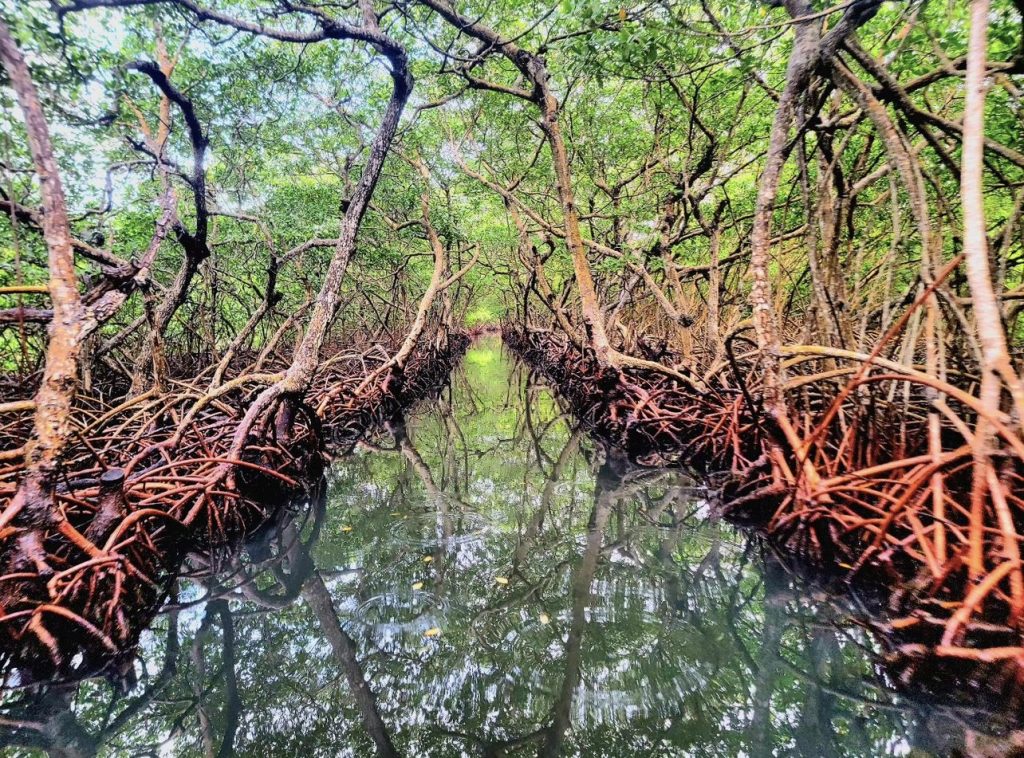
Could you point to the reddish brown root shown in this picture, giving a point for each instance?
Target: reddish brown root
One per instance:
(84, 566)
(855, 484)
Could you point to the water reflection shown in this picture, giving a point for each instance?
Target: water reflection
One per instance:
(481, 582)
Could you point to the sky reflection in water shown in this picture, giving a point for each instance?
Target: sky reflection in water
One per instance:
(482, 585)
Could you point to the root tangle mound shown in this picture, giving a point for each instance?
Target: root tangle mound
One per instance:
(852, 482)
(152, 478)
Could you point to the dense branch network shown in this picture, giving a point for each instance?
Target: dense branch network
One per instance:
(780, 241)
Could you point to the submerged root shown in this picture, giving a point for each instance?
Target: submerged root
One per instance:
(86, 563)
(869, 480)
(652, 417)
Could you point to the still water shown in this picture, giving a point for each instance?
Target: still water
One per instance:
(478, 582)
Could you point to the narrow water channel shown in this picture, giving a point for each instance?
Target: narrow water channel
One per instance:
(479, 583)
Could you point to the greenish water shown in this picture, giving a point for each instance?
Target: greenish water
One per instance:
(481, 584)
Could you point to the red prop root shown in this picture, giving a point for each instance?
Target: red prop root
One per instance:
(863, 478)
(84, 568)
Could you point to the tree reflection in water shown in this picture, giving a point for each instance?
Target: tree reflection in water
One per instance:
(481, 582)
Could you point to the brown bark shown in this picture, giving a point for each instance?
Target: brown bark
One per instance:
(533, 68)
(801, 64)
(889, 90)
(438, 283)
(810, 48)
(325, 308)
(56, 392)
(346, 652)
(307, 354)
(987, 314)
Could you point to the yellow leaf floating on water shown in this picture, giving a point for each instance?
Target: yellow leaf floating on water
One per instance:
(346, 528)
(418, 586)
(428, 558)
(432, 632)
(544, 618)
(501, 580)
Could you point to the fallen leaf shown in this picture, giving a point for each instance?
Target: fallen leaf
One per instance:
(501, 580)
(428, 558)
(418, 586)
(544, 618)
(346, 528)
(432, 632)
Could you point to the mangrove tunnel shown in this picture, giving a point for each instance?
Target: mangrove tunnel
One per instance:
(497, 377)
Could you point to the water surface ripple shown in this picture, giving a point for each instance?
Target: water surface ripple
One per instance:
(479, 583)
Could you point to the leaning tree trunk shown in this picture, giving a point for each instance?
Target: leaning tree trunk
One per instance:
(590, 307)
(798, 76)
(300, 373)
(53, 399)
(532, 67)
(809, 49)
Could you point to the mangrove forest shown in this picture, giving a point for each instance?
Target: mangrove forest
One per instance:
(502, 377)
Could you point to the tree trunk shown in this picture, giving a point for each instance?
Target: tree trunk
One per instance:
(987, 313)
(60, 376)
